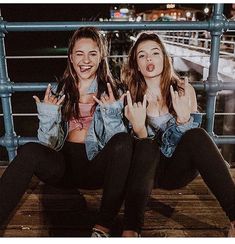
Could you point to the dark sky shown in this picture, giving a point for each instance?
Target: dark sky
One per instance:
(69, 12)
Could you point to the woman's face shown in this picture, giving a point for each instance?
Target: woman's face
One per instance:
(149, 59)
(85, 58)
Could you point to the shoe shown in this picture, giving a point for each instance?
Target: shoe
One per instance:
(99, 233)
(231, 232)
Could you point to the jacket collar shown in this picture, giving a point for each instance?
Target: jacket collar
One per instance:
(93, 88)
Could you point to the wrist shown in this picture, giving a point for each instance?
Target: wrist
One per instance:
(182, 120)
(141, 132)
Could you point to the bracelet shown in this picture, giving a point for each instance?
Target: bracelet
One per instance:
(182, 123)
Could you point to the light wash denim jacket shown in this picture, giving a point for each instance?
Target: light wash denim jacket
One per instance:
(169, 133)
(107, 121)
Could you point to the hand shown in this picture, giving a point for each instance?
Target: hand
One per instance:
(107, 99)
(181, 103)
(49, 98)
(136, 114)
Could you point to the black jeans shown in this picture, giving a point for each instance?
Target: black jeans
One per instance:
(112, 170)
(197, 153)
(70, 167)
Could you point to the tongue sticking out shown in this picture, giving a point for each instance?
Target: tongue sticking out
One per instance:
(84, 69)
(150, 67)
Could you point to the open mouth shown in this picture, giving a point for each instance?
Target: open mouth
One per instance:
(85, 68)
(150, 67)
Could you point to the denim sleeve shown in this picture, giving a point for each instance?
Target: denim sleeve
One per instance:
(49, 131)
(173, 133)
(113, 119)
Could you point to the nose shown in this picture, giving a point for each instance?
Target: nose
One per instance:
(86, 59)
(149, 59)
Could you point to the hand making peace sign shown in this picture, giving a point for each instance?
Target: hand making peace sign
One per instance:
(49, 98)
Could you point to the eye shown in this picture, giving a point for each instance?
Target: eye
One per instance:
(93, 54)
(156, 53)
(141, 56)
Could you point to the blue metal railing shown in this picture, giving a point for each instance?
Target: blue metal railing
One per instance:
(216, 26)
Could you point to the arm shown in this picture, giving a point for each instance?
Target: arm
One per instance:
(50, 131)
(185, 106)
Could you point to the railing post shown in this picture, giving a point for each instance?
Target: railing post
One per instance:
(10, 135)
(216, 33)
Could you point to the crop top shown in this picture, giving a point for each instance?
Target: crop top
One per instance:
(85, 118)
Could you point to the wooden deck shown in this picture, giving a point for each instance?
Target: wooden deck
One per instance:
(188, 212)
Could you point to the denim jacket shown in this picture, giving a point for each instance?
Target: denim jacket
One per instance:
(170, 133)
(107, 121)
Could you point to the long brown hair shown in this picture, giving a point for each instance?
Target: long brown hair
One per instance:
(134, 80)
(68, 82)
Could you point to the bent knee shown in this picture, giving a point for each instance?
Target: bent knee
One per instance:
(31, 148)
(122, 139)
(197, 133)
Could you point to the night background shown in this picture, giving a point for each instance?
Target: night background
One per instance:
(48, 70)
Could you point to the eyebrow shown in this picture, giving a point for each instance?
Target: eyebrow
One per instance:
(151, 50)
(76, 51)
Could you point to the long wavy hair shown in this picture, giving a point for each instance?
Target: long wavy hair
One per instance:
(69, 81)
(135, 81)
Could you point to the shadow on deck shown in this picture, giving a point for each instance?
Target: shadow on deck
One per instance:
(46, 211)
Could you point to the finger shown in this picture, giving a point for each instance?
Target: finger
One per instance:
(110, 91)
(53, 99)
(135, 105)
(176, 95)
(37, 100)
(103, 100)
(129, 100)
(60, 100)
(186, 87)
(145, 101)
(172, 93)
(106, 97)
(122, 97)
(139, 104)
(97, 100)
(47, 93)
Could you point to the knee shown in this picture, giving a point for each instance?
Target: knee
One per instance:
(30, 150)
(122, 142)
(196, 135)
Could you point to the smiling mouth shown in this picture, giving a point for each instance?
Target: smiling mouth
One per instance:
(85, 68)
(150, 67)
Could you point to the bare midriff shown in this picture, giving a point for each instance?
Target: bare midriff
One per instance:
(77, 135)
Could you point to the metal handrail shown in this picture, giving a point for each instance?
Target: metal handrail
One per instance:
(216, 25)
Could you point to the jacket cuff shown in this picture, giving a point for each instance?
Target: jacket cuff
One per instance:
(113, 109)
(45, 108)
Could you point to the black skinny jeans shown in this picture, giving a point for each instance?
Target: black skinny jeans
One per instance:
(197, 153)
(70, 167)
(112, 169)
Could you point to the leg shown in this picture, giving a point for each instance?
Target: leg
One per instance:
(32, 158)
(140, 184)
(196, 150)
(109, 170)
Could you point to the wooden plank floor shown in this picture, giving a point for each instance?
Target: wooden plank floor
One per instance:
(46, 211)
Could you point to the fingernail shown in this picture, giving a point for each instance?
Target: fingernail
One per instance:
(49, 84)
